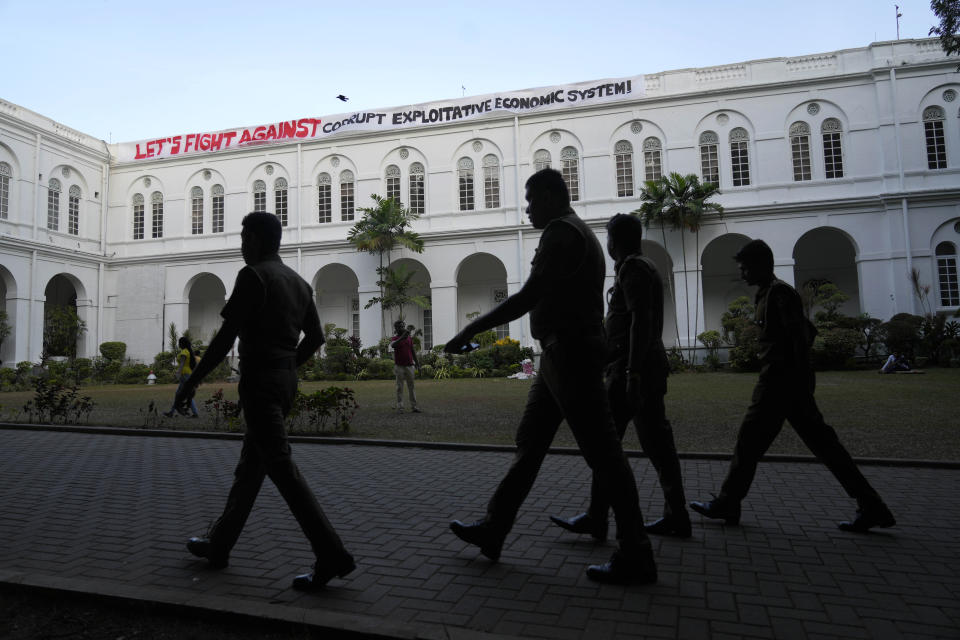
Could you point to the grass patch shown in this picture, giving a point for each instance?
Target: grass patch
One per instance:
(895, 416)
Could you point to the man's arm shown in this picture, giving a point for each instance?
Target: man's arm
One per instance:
(312, 335)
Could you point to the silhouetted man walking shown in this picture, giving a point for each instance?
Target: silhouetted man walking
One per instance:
(269, 307)
(564, 296)
(784, 391)
(636, 380)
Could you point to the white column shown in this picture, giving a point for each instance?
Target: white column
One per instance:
(520, 328)
(370, 318)
(87, 346)
(446, 324)
(15, 345)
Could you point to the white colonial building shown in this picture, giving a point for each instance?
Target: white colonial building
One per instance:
(847, 163)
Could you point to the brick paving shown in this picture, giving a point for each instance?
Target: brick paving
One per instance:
(109, 514)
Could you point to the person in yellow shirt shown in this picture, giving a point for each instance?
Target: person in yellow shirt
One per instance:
(186, 361)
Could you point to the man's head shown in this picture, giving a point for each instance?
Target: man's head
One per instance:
(260, 236)
(756, 262)
(547, 197)
(398, 327)
(624, 235)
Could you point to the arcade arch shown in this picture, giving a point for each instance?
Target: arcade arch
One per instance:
(481, 286)
(336, 289)
(826, 254)
(721, 278)
(206, 297)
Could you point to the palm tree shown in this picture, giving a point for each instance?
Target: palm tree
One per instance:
(382, 228)
(681, 201)
(654, 195)
(400, 290)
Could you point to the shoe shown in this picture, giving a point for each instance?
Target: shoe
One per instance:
(673, 527)
(481, 535)
(323, 573)
(624, 570)
(415, 411)
(202, 548)
(399, 409)
(583, 523)
(169, 414)
(193, 415)
(877, 516)
(720, 508)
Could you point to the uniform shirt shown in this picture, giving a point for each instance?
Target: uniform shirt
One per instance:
(402, 350)
(570, 265)
(781, 320)
(271, 304)
(637, 290)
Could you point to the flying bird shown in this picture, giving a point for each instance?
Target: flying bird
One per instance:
(342, 98)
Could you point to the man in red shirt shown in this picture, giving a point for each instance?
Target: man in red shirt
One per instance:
(404, 361)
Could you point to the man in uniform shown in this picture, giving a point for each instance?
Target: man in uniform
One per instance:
(564, 296)
(784, 391)
(636, 380)
(269, 307)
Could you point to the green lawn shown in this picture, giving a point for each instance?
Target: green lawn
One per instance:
(896, 416)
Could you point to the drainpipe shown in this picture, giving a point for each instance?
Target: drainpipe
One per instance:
(30, 296)
(299, 207)
(904, 210)
(105, 183)
(519, 196)
(36, 186)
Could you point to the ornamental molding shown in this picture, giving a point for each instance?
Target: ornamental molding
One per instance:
(623, 147)
(799, 129)
(934, 113)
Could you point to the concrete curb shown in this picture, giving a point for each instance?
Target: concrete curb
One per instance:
(451, 446)
(218, 607)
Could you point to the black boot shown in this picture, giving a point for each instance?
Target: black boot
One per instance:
(721, 508)
(480, 534)
(867, 517)
(635, 568)
(583, 523)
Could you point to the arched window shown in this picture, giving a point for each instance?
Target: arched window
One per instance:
(491, 181)
(280, 200)
(570, 168)
(138, 216)
(800, 149)
(196, 211)
(346, 195)
(156, 205)
(73, 210)
(947, 274)
(623, 158)
(325, 197)
(465, 180)
(652, 159)
(541, 160)
(740, 157)
(216, 202)
(53, 204)
(393, 182)
(832, 149)
(259, 195)
(709, 159)
(933, 119)
(5, 174)
(417, 188)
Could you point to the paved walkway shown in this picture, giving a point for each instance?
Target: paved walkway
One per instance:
(110, 514)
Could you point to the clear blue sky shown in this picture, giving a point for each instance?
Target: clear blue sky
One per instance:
(125, 70)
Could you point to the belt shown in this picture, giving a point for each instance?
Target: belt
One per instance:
(289, 362)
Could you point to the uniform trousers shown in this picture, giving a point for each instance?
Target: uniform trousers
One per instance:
(656, 438)
(266, 396)
(569, 386)
(788, 395)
